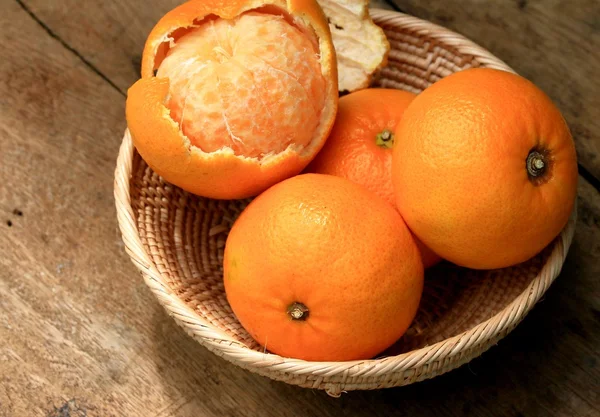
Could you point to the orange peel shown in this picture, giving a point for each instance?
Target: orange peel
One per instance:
(361, 46)
(224, 173)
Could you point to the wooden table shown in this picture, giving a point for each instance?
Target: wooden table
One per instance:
(81, 335)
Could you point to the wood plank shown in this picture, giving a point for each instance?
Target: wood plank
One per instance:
(554, 43)
(82, 334)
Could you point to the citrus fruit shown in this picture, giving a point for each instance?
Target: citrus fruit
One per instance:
(486, 171)
(319, 268)
(234, 96)
(359, 146)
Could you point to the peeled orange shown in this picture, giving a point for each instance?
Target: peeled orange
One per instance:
(320, 268)
(486, 171)
(234, 96)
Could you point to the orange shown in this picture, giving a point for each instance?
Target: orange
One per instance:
(234, 96)
(319, 268)
(486, 171)
(359, 146)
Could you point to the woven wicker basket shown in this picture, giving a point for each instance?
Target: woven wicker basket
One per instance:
(176, 240)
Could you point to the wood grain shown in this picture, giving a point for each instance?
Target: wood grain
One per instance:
(109, 35)
(82, 335)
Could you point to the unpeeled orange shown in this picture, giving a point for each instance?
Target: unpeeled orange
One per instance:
(234, 96)
(359, 146)
(320, 268)
(486, 171)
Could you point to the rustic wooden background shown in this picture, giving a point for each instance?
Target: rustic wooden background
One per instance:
(80, 334)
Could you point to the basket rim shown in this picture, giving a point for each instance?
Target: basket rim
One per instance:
(486, 332)
(389, 18)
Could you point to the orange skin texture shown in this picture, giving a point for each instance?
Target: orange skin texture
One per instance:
(309, 239)
(222, 175)
(351, 151)
(460, 173)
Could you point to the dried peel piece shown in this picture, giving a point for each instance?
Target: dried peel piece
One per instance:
(361, 46)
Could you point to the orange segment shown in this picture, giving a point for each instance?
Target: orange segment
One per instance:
(216, 175)
(256, 78)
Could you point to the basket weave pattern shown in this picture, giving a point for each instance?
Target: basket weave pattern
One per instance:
(177, 239)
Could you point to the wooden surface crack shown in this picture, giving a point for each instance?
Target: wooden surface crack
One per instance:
(589, 177)
(74, 51)
(394, 6)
